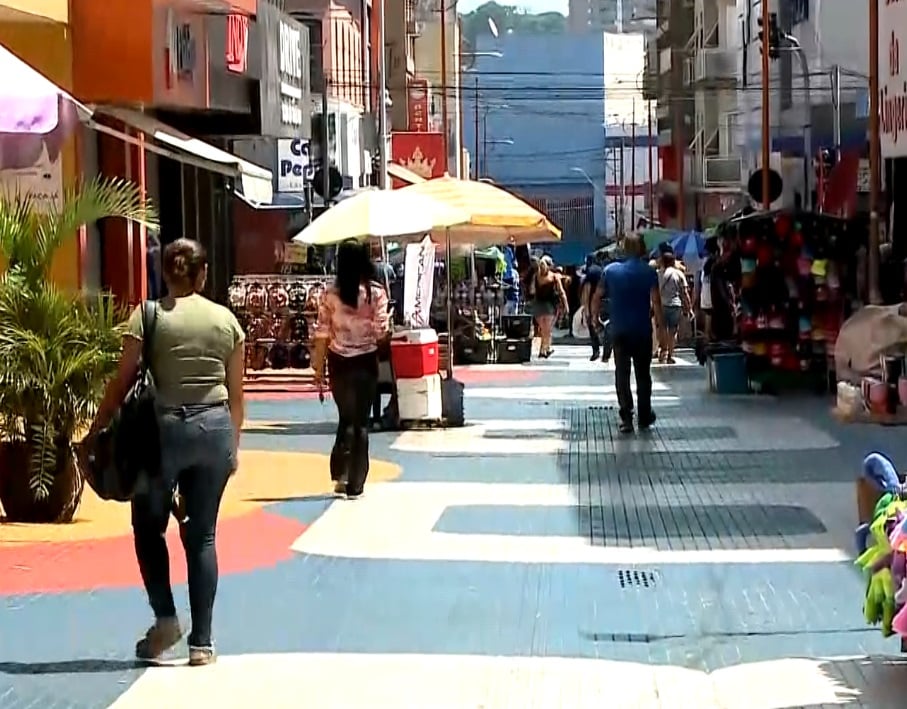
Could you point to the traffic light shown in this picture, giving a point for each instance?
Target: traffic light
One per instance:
(773, 36)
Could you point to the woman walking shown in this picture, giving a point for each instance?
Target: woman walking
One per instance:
(196, 353)
(675, 302)
(548, 297)
(353, 321)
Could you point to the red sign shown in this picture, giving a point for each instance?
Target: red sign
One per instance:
(418, 105)
(421, 153)
(237, 53)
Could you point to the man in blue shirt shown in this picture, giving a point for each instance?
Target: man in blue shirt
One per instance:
(632, 287)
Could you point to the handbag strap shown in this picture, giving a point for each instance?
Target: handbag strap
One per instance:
(149, 323)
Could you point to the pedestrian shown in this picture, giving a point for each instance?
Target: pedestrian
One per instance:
(632, 287)
(353, 324)
(675, 301)
(588, 293)
(197, 362)
(548, 299)
(703, 292)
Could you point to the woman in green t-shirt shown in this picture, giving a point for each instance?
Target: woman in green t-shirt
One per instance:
(196, 354)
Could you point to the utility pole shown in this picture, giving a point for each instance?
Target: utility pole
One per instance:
(875, 155)
(651, 172)
(633, 169)
(381, 81)
(623, 186)
(365, 33)
(444, 89)
(325, 137)
(766, 115)
(475, 155)
(836, 104)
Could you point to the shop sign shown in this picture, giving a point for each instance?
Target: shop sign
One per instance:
(237, 47)
(41, 181)
(290, 75)
(892, 82)
(180, 52)
(294, 165)
(418, 106)
(421, 153)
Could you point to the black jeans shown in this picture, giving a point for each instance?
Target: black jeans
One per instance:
(198, 455)
(354, 381)
(635, 350)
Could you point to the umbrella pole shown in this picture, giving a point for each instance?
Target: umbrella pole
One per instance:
(450, 342)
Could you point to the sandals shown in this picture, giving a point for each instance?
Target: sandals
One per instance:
(160, 637)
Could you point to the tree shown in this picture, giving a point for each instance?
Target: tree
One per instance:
(509, 18)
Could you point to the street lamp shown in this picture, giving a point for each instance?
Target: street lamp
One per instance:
(598, 197)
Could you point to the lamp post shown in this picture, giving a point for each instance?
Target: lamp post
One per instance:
(598, 196)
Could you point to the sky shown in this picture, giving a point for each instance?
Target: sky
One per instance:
(530, 5)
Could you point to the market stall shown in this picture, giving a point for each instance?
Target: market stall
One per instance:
(791, 304)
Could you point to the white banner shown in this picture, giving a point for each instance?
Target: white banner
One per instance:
(418, 282)
(294, 164)
(42, 181)
(892, 83)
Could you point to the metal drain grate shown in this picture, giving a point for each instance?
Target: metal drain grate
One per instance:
(634, 578)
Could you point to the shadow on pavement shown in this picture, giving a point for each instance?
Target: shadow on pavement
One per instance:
(70, 667)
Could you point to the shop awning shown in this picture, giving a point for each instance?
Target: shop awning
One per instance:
(254, 181)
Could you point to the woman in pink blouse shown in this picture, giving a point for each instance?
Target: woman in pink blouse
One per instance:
(352, 321)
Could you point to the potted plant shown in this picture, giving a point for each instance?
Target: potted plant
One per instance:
(57, 349)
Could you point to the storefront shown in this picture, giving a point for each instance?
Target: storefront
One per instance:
(893, 121)
(193, 72)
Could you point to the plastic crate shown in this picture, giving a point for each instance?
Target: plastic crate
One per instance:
(727, 373)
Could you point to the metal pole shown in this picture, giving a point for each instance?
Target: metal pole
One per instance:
(766, 115)
(444, 89)
(836, 103)
(875, 154)
(794, 43)
(476, 154)
(485, 144)
(651, 172)
(325, 147)
(680, 159)
(366, 70)
(623, 188)
(382, 98)
(633, 170)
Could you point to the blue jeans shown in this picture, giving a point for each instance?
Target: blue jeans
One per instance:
(198, 455)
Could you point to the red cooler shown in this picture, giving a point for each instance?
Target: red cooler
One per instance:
(414, 353)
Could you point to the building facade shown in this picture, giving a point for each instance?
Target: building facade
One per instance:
(534, 114)
(606, 15)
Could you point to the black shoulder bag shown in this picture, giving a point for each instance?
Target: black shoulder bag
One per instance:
(130, 445)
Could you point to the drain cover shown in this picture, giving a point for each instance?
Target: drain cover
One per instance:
(635, 578)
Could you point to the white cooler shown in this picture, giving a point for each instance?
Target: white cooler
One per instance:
(419, 399)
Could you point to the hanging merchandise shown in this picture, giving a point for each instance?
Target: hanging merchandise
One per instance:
(278, 314)
(791, 303)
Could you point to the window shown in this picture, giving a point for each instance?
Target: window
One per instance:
(799, 11)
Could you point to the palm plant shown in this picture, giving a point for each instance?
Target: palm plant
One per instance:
(57, 349)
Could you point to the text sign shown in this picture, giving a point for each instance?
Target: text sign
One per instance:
(237, 51)
(290, 75)
(294, 165)
(892, 83)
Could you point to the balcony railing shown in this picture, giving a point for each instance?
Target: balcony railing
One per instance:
(715, 65)
(722, 171)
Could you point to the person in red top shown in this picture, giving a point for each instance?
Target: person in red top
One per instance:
(353, 321)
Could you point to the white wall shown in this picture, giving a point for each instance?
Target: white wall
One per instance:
(625, 61)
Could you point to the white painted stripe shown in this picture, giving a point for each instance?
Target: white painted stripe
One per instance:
(396, 521)
(407, 681)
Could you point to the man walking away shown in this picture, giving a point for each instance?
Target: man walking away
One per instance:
(632, 287)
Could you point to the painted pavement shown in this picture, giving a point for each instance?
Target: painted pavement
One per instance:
(534, 558)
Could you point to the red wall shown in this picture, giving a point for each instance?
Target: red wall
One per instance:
(258, 237)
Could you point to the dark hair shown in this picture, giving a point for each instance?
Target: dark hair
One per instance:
(184, 260)
(354, 269)
(668, 259)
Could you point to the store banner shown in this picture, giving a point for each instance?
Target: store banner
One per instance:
(418, 282)
(294, 165)
(421, 153)
(29, 168)
(418, 106)
(286, 86)
(892, 83)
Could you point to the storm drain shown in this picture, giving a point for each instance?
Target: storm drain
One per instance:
(636, 578)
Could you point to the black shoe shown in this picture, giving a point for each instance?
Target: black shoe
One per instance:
(606, 359)
(648, 422)
(625, 427)
(595, 356)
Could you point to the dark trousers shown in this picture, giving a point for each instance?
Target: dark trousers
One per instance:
(354, 382)
(198, 456)
(600, 339)
(635, 350)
